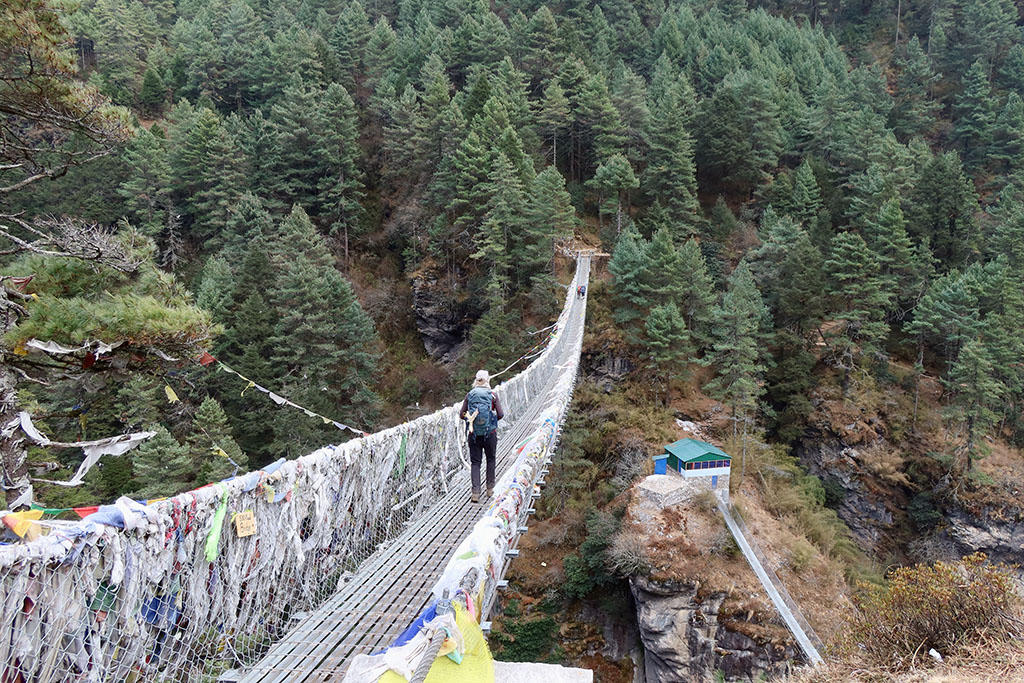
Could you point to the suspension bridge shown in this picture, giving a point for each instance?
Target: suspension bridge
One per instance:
(289, 572)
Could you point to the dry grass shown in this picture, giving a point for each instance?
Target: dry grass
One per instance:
(988, 660)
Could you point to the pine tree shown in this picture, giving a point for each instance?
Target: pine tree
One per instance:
(1008, 139)
(914, 112)
(152, 94)
(206, 168)
(628, 266)
(162, 466)
(974, 117)
(858, 290)
(612, 180)
(664, 270)
(214, 293)
(807, 203)
(741, 135)
(342, 184)
(213, 451)
(976, 397)
(697, 293)
(670, 176)
(667, 338)
(941, 207)
(739, 336)
(147, 190)
(552, 113)
(550, 217)
(500, 242)
(886, 237)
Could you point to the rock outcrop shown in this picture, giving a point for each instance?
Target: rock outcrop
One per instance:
(863, 508)
(686, 637)
(443, 317)
(997, 533)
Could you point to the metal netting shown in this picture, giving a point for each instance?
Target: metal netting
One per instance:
(181, 591)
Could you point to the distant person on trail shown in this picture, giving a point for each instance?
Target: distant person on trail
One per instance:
(582, 291)
(482, 410)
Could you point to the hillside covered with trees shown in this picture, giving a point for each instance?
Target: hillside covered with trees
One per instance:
(815, 215)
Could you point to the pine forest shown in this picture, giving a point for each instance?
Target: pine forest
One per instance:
(256, 227)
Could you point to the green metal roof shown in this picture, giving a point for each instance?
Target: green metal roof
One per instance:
(688, 450)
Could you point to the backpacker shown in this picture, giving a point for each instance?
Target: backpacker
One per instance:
(479, 401)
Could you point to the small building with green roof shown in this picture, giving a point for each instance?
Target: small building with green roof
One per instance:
(693, 458)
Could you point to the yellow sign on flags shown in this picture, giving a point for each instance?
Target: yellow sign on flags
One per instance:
(171, 396)
(245, 523)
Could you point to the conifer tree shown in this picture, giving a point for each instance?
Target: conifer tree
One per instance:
(214, 293)
(886, 237)
(914, 112)
(213, 451)
(974, 116)
(736, 354)
(697, 293)
(147, 190)
(206, 169)
(670, 175)
(664, 270)
(612, 181)
(1008, 139)
(552, 112)
(667, 338)
(628, 266)
(858, 290)
(500, 242)
(162, 466)
(806, 205)
(941, 207)
(550, 216)
(975, 399)
(153, 93)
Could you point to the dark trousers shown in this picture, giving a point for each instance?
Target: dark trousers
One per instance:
(478, 445)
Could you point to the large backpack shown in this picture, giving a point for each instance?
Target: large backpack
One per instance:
(479, 401)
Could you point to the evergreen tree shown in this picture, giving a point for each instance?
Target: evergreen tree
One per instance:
(213, 451)
(214, 293)
(669, 343)
(550, 217)
(1008, 139)
(612, 181)
(670, 175)
(974, 117)
(739, 336)
(697, 293)
(914, 112)
(886, 237)
(628, 267)
(858, 290)
(552, 112)
(941, 207)
(976, 397)
(153, 93)
(162, 466)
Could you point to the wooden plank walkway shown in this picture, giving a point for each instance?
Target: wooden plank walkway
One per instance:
(391, 587)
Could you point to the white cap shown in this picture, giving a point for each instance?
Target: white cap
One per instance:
(482, 378)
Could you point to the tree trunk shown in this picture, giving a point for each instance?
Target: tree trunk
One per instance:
(919, 370)
(899, 10)
(13, 454)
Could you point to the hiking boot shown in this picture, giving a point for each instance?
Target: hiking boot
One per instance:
(490, 492)
(474, 497)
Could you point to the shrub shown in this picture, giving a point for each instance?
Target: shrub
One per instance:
(801, 555)
(524, 641)
(941, 606)
(627, 555)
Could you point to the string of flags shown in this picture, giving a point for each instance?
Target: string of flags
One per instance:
(535, 351)
(207, 359)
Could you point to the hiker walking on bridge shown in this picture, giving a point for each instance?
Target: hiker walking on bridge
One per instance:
(482, 410)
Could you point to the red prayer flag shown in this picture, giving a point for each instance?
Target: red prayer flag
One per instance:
(89, 359)
(206, 359)
(84, 512)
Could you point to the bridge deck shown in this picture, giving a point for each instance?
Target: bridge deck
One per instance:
(393, 586)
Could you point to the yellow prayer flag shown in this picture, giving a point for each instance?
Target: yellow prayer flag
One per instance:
(34, 296)
(248, 386)
(23, 522)
(20, 350)
(171, 396)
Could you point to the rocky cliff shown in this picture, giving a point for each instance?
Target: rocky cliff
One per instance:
(443, 316)
(691, 637)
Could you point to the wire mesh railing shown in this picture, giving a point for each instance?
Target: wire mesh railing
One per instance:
(776, 581)
(208, 580)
